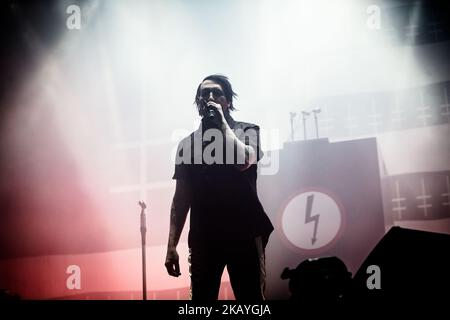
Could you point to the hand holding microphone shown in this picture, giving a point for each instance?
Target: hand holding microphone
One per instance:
(212, 113)
(211, 108)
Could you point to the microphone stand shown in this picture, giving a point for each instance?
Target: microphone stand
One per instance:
(143, 232)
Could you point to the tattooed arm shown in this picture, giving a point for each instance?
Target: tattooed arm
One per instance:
(178, 214)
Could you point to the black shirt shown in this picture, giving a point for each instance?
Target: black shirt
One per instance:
(225, 208)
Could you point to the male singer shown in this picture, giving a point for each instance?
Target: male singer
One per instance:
(228, 225)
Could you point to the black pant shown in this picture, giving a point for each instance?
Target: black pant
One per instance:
(245, 265)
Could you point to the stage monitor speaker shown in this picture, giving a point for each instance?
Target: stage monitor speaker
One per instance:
(406, 266)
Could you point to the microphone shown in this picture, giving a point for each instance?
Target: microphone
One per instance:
(209, 113)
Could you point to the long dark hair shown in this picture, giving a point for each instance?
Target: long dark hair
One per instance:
(226, 87)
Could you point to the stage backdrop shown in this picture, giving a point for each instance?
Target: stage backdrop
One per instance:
(324, 201)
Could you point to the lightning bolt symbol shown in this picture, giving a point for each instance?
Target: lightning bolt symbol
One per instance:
(309, 218)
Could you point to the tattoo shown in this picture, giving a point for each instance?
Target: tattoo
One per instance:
(178, 213)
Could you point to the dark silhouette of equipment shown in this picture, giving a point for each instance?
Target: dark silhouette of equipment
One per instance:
(323, 281)
(7, 295)
(414, 268)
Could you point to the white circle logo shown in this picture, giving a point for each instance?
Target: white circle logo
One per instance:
(311, 220)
